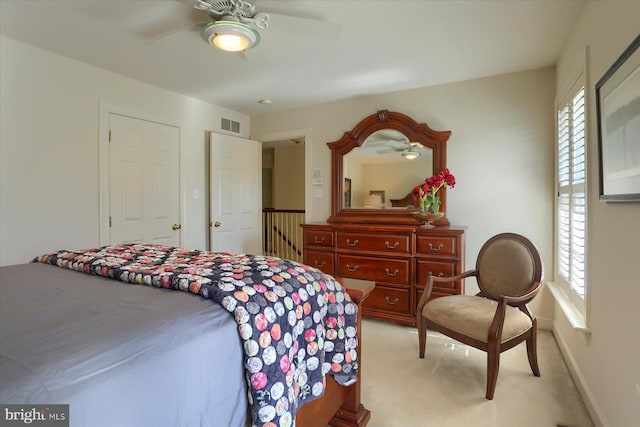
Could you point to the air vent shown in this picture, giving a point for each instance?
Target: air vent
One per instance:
(230, 125)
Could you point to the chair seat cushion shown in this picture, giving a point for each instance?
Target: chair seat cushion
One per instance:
(472, 316)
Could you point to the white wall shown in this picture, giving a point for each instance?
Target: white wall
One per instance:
(49, 134)
(501, 151)
(606, 364)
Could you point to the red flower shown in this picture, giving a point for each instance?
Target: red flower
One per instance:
(427, 192)
(448, 178)
(416, 193)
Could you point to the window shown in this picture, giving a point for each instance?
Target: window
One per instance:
(571, 204)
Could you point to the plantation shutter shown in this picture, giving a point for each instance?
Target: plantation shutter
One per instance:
(571, 206)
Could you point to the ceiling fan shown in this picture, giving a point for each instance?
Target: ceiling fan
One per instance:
(409, 150)
(233, 24)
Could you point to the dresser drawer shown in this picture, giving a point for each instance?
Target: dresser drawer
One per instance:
(395, 243)
(321, 260)
(436, 245)
(437, 268)
(373, 268)
(319, 238)
(388, 299)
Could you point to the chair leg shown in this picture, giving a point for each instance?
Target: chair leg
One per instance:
(493, 366)
(422, 336)
(532, 349)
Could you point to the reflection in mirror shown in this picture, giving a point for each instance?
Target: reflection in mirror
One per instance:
(387, 164)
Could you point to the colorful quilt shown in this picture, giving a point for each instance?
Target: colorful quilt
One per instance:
(296, 323)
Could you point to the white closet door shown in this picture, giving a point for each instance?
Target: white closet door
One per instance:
(144, 176)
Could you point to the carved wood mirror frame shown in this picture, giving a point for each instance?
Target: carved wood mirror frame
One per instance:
(383, 119)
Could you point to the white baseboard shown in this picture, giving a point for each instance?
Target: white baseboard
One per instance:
(583, 388)
(545, 323)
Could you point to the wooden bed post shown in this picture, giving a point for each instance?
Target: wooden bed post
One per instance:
(340, 406)
(352, 412)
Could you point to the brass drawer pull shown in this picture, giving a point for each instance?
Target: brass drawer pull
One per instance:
(352, 269)
(395, 301)
(350, 243)
(439, 274)
(395, 245)
(316, 240)
(323, 263)
(435, 249)
(395, 272)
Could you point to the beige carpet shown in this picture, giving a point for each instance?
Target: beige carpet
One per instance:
(447, 388)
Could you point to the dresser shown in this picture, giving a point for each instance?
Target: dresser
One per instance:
(387, 246)
(398, 258)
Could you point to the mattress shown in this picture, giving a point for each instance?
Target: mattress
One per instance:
(118, 354)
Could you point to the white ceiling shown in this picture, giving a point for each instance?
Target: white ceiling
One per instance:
(383, 46)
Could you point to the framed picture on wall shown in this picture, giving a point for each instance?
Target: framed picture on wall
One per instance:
(347, 192)
(618, 108)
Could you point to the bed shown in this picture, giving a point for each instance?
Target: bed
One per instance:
(73, 330)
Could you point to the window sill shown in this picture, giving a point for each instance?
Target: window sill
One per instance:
(574, 317)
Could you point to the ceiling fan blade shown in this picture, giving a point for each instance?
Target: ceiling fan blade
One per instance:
(390, 150)
(398, 145)
(304, 26)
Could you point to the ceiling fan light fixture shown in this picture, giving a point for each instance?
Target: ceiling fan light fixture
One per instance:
(230, 36)
(410, 154)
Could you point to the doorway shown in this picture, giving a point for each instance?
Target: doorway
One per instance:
(284, 196)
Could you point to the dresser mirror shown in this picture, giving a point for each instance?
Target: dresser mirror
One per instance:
(377, 164)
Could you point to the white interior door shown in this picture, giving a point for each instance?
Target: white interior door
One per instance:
(144, 191)
(236, 194)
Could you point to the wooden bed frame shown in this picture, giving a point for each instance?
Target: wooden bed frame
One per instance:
(340, 406)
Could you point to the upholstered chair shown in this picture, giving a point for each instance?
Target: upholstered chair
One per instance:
(509, 274)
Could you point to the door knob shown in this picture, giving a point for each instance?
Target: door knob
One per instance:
(176, 226)
(217, 224)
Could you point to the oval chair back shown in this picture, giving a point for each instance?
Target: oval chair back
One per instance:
(508, 264)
